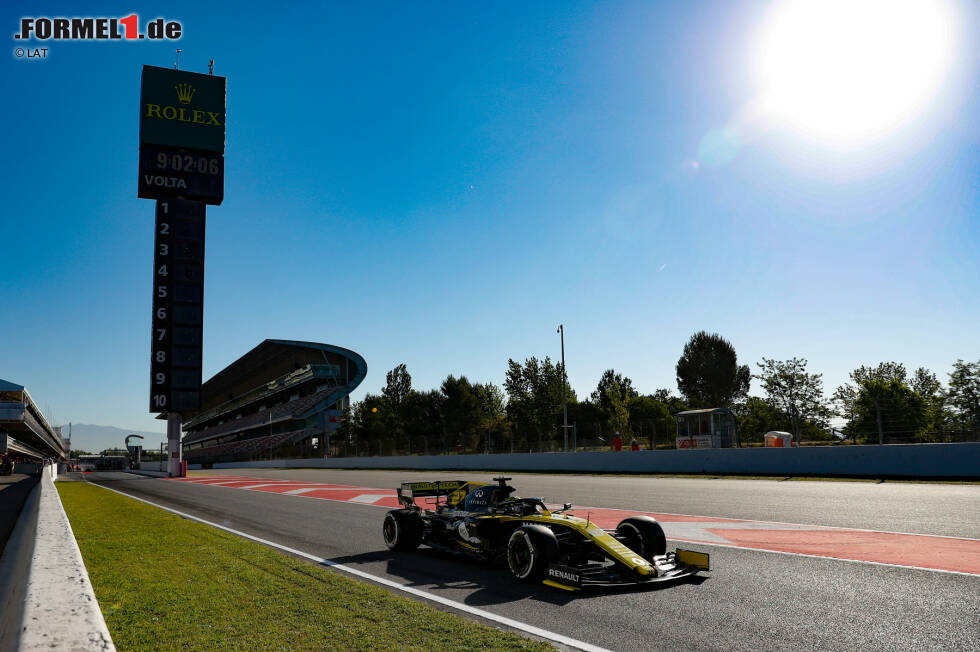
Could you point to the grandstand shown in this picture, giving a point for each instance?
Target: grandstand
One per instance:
(281, 399)
(25, 435)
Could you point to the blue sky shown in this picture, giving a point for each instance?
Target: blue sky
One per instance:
(442, 184)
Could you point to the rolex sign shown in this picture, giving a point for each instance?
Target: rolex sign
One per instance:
(182, 109)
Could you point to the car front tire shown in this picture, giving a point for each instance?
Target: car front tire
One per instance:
(643, 535)
(530, 550)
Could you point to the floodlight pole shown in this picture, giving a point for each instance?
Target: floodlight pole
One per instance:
(564, 382)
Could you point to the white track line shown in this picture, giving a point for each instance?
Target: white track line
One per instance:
(369, 499)
(459, 606)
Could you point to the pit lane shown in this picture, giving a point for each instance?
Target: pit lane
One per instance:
(750, 600)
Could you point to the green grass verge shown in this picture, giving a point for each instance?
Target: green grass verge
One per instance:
(165, 582)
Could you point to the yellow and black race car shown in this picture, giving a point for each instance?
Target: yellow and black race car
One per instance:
(485, 521)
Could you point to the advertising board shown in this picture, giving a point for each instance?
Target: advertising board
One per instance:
(695, 441)
(182, 109)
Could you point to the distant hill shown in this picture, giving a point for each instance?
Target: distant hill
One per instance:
(95, 439)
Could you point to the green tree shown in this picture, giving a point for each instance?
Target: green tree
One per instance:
(757, 416)
(460, 410)
(652, 419)
(534, 399)
(364, 429)
(619, 416)
(376, 429)
(422, 413)
(887, 406)
(519, 404)
(491, 399)
(588, 419)
(925, 383)
(793, 391)
(845, 395)
(938, 416)
(608, 379)
(964, 393)
(398, 385)
(708, 373)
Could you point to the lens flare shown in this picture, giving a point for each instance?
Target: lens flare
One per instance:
(854, 68)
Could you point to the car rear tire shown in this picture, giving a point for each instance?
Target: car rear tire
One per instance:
(642, 534)
(530, 550)
(402, 529)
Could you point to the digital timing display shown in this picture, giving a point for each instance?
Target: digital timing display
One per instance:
(170, 173)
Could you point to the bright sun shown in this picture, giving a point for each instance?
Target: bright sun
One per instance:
(851, 69)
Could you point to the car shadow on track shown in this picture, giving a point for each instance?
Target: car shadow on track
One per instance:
(484, 584)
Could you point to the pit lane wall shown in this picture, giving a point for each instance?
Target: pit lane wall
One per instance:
(46, 598)
(931, 461)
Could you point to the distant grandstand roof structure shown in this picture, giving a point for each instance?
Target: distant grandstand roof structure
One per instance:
(23, 429)
(282, 393)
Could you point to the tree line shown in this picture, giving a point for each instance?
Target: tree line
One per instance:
(878, 404)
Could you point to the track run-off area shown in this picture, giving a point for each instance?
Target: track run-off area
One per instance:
(795, 565)
(911, 550)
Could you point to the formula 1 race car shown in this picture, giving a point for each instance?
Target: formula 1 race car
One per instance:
(486, 522)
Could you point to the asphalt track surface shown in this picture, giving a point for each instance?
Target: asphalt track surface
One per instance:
(751, 600)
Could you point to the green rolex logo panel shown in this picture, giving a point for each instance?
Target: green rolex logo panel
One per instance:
(182, 109)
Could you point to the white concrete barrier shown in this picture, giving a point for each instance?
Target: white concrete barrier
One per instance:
(934, 461)
(51, 604)
(14, 566)
(155, 465)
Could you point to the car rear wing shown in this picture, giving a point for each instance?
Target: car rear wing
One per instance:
(409, 491)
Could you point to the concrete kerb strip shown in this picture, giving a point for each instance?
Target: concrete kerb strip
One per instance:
(60, 610)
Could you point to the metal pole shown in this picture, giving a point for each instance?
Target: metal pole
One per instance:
(173, 444)
(881, 432)
(564, 381)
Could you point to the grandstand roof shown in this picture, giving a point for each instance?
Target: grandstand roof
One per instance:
(277, 381)
(272, 359)
(271, 369)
